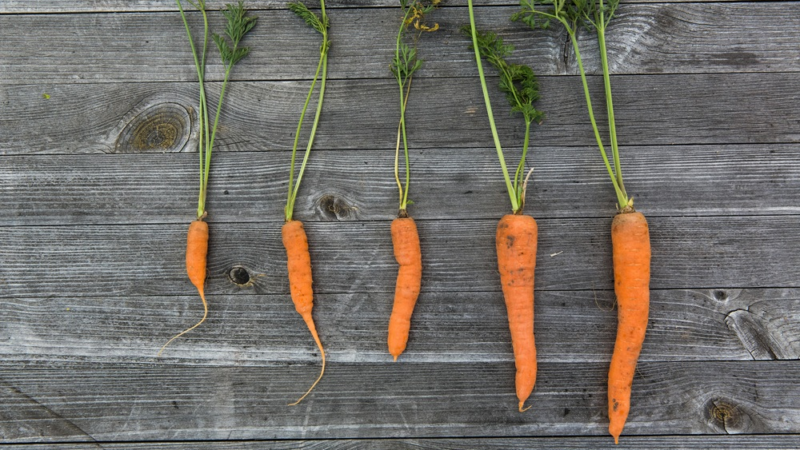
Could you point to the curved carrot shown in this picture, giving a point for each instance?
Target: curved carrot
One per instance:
(196, 254)
(630, 238)
(516, 259)
(299, 264)
(409, 256)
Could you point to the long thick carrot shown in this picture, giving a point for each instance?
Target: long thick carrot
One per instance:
(299, 264)
(409, 278)
(516, 259)
(196, 254)
(630, 238)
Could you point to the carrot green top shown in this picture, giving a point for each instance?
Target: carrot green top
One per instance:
(319, 23)
(404, 64)
(519, 84)
(593, 15)
(239, 24)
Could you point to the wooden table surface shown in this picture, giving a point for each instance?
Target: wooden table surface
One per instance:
(98, 185)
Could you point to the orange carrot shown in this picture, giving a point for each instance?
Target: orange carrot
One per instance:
(630, 239)
(516, 259)
(409, 256)
(299, 265)
(196, 252)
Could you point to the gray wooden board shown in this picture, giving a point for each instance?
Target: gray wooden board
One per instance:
(651, 38)
(746, 442)
(247, 330)
(732, 442)
(134, 402)
(259, 116)
(358, 185)
(56, 6)
(457, 255)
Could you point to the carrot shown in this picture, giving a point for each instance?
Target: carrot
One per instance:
(517, 234)
(294, 235)
(409, 256)
(405, 238)
(238, 25)
(196, 253)
(516, 259)
(630, 239)
(299, 264)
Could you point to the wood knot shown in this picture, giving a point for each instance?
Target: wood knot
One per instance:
(331, 207)
(163, 127)
(240, 276)
(728, 417)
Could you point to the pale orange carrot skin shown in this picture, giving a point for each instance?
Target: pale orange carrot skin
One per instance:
(630, 238)
(300, 283)
(516, 241)
(405, 239)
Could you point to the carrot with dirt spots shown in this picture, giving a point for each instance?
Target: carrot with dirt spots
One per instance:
(517, 234)
(630, 235)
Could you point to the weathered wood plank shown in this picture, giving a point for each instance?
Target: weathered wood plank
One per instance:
(247, 330)
(442, 114)
(645, 38)
(458, 256)
(348, 185)
(702, 442)
(56, 6)
(118, 402)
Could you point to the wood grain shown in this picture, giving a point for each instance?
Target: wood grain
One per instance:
(643, 38)
(346, 185)
(441, 114)
(458, 256)
(251, 330)
(705, 442)
(137, 402)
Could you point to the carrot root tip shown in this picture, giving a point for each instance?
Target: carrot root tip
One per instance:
(521, 404)
(395, 358)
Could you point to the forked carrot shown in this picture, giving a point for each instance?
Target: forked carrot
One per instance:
(630, 238)
(517, 234)
(298, 261)
(516, 243)
(409, 256)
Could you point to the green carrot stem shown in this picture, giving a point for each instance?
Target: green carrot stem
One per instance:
(621, 197)
(612, 127)
(521, 166)
(511, 193)
(297, 137)
(313, 133)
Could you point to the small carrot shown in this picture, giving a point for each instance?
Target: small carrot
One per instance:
(239, 24)
(299, 264)
(409, 256)
(405, 237)
(516, 243)
(630, 239)
(196, 253)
